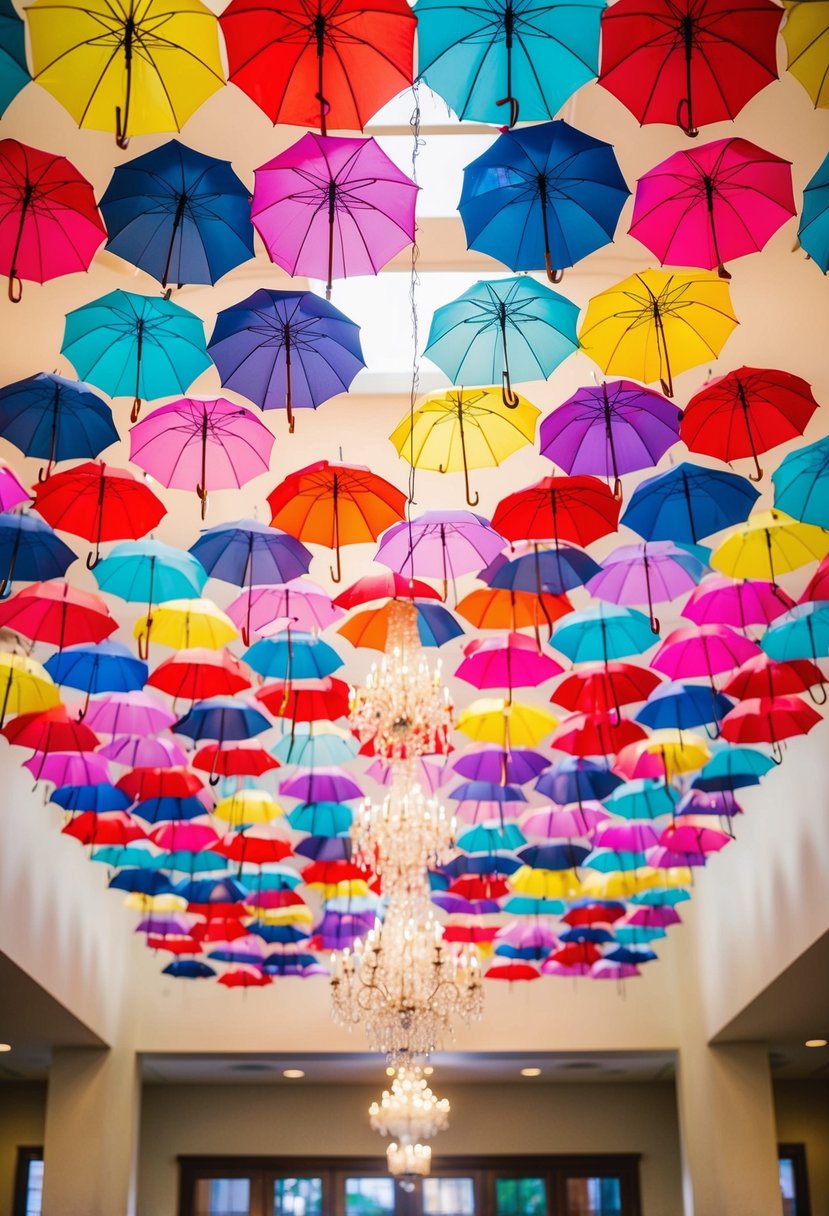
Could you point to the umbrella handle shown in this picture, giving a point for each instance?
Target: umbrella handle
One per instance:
(136, 409)
(758, 476)
(555, 276)
(510, 398)
(654, 623)
(202, 495)
(512, 102)
(683, 118)
(818, 700)
(143, 644)
(776, 752)
(121, 137)
(723, 273)
(15, 288)
(617, 489)
(336, 571)
(92, 559)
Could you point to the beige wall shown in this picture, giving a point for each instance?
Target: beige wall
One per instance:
(803, 1118)
(22, 1119)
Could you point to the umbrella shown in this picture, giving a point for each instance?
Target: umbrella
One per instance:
(604, 686)
(12, 492)
(718, 599)
(505, 723)
(98, 503)
(26, 686)
(764, 676)
(579, 509)
(286, 350)
(768, 544)
(494, 333)
(299, 656)
(100, 667)
(179, 215)
(196, 674)
(50, 224)
(109, 828)
(602, 632)
(135, 346)
(569, 822)
(58, 614)
(130, 713)
(544, 572)
(802, 634)
(507, 608)
(201, 445)
(222, 720)
(542, 197)
(727, 770)
(373, 628)
(96, 798)
(706, 205)
(332, 63)
(247, 758)
(321, 818)
(668, 752)
(182, 624)
(801, 483)
(689, 62)
(655, 572)
(657, 323)
(68, 767)
(609, 429)
(813, 230)
(702, 650)
(508, 662)
(330, 207)
(643, 798)
(134, 71)
(147, 571)
(488, 762)
(464, 429)
(335, 504)
(311, 701)
(55, 419)
(595, 734)
(48, 731)
(439, 544)
(14, 74)
(327, 783)
(530, 56)
(806, 34)
(687, 503)
(30, 551)
(769, 720)
(300, 604)
(682, 706)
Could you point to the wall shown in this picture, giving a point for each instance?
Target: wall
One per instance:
(803, 1118)
(22, 1119)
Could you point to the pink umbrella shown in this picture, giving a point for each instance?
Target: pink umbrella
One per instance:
(298, 605)
(633, 836)
(506, 661)
(702, 650)
(330, 207)
(705, 205)
(719, 600)
(431, 775)
(440, 544)
(201, 446)
(190, 835)
(818, 588)
(688, 835)
(69, 768)
(143, 751)
(128, 713)
(607, 970)
(479, 812)
(671, 859)
(533, 933)
(12, 492)
(564, 971)
(568, 822)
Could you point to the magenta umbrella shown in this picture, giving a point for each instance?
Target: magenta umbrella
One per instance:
(330, 207)
(652, 572)
(563, 822)
(298, 605)
(12, 492)
(440, 544)
(69, 768)
(128, 713)
(702, 650)
(703, 206)
(721, 600)
(144, 751)
(633, 836)
(506, 661)
(201, 445)
(523, 934)
(686, 835)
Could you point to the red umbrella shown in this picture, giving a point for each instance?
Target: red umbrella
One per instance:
(176, 945)
(324, 63)
(241, 978)
(575, 953)
(513, 972)
(98, 503)
(762, 676)
(199, 673)
(49, 221)
(469, 934)
(247, 758)
(689, 835)
(578, 509)
(255, 849)
(604, 687)
(310, 701)
(175, 782)
(219, 929)
(57, 613)
(51, 730)
(769, 720)
(479, 886)
(747, 412)
(595, 914)
(596, 734)
(111, 827)
(688, 62)
(818, 588)
(388, 585)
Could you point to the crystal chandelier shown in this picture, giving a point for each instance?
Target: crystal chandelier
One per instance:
(409, 1111)
(403, 835)
(409, 1160)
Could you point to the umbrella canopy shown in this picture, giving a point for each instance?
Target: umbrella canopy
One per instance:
(769, 720)
(801, 483)
(604, 686)
(505, 662)
(803, 633)
(654, 572)
(297, 605)
(683, 706)
(506, 724)
(185, 623)
(706, 205)
(330, 207)
(50, 730)
(578, 509)
(196, 673)
(806, 34)
(488, 762)
(552, 570)
(135, 346)
(813, 230)
(55, 419)
(298, 656)
(506, 608)
(147, 571)
(127, 70)
(25, 686)
(596, 734)
(687, 503)
(50, 224)
(130, 713)
(763, 676)
(286, 350)
(222, 720)
(12, 492)
(658, 323)
(435, 626)
(439, 544)
(542, 197)
(98, 667)
(14, 74)
(602, 632)
(180, 215)
(702, 650)
(330, 63)
(769, 544)
(689, 62)
(718, 599)
(30, 551)
(58, 614)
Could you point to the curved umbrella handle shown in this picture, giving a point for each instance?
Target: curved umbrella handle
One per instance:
(617, 489)
(555, 276)
(121, 137)
(776, 752)
(819, 700)
(202, 496)
(654, 624)
(723, 273)
(512, 102)
(92, 559)
(683, 118)
(336, 572)
(136, 409)
(510, 398)
(15, 288)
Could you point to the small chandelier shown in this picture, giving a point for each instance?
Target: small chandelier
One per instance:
(403, 835)
(409, 1111)
(409, 1160)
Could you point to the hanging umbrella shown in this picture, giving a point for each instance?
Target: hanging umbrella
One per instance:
(435, 626)
(129, 713)
(806, 34)
(134, 71)
(689, 62)
(769, 544)
(704, 206)
(181, 216)
(96, 798)
(68, 767)
(98, 503)
(488, 762)
(507, 608)
(322, 784)
(182, 624)
(657, 323)
(55, 419)
(687, 503)
(803, 633)
(247, 758)
(49, 224)
(50, 730)
(330, 63)
(110, 828)
(222, 720)
(595, 734)
(763, 676)
(610, 429)
(643, 798)
(196, 674)
(335, 504)
(147, 571)
(578, 509)
(286, 350)
(602, 632)
(439, 544)
(769, 720)
(324, 699)
(464, 429)
(702, 650)
(98, 667)
(667, 753)
(655, 572)
(552, 570)
(801, 483)
(494, 333)
(721, 600)
(681, 706)
(135, 346)
(330, 207)
(507, 662)
(297, 605)
(570, 822)
(58, 614)
(14, 74)
(542, 197)
(12, 492)
(480, 56)
(316, 745)
(508, 724)
(25, 686)
(201, 445)
(813, 230)
(604, 686)
(300, 656)
(30, 551)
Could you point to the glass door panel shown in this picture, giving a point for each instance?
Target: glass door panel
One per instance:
(222, 1197)
(297, 1197)
(594, 1197)
(520, 1197)
(369, 1196)
(448, 1197)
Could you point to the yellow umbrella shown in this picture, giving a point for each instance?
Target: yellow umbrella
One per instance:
(247, 806)
(187, 624)
(657, 323)
(135, 69)
(463, 429)
(294, 914)
(768, 544)
(493, 720)
(145, 904)
(806, 34)
(354, 888)
(25, 686)
(679, 750)
(546, 884)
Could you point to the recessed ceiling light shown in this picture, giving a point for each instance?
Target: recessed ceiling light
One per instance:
(530, 1072)
(292, 1074)
(816, 1042)
(5, 1046)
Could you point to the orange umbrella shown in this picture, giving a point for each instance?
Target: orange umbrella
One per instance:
(503, 608)
(335, 504)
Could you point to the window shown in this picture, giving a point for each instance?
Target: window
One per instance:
(440, 164)
(297, 1197)
(448, 1197)
(369, 1196)
(594, 1197)
(794, 1180)
(223, 1197)
(520, 1197)
(28, 1182)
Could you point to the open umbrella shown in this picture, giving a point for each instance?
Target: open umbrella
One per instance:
(579, 509)
(813, 230)
(542, 197)
(97, 667)
(702, 650)
(196, 674)
(188, 622)
(181, 216)
(602, 632)
(657, 323)
(57, 613)
(12, 492)
(25, 686)
(131, 70)
(655, 572)
(297, 656)
(689, 62)
(687, 503)
(769, 720)
(769, 544)
(506, 662)
(373, 628)
(222, 720)
(604, 686)
(50, 417)
(439, 544)
(147, 571)
(683, 706)
(30, 551)
(803, 633)
(546, 571)
(330, 207)
(316, 745)
(135, 346)
(721, 600)
(286, 350)
(806, 34)
(507, 608)
(49, 221)
(801, 483)
(763, 676)
(14, 74)
(507, 724)
(297, 605)
(327, 63)
(130, 713)
(201, 446)
(595, 734)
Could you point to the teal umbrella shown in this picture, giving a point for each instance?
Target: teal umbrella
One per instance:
(149, 572)
(311, 745)
(601, 633)
(813, 232)
(801, 484)
(801, 633)
(642, 798)
(504, 839)
(14, 73)
(321, 818)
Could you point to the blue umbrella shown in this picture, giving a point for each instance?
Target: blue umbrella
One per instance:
(487, 791)
(528, 54)
(638, 935)
(286, 350)
(577, 780)
(609, 861)
(96, 798)
(189, 969)
(529, 954)
(678, 706)
(14, 73)
(223, 720)
(801, 633)
(141, 881)
(135, 346)
(310, 746)
(587, 933)
(168, 809)
(553, 856)
(101, 667)
(801, 484)
(212, 891)
(491, 864)
(717, 800)
(656, 897)
(186, 862)
(53, 418)
(30, 551)
(325, 848)
(733, 763)
(491, 763)
(688, 502)
(525, 905)
(178, 214)
(321, 818)
(625, 954)
(436, 625)
(813, 231)
(280, 935)
(602, 632)
(509, 329)
(297, 656)
(137, 855)
(553, 571)
(542, 197)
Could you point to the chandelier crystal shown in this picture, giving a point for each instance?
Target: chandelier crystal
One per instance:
(409, 1111)
(408, 1160)
(403, 835)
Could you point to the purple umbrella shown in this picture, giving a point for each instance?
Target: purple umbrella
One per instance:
(128, 713)
(456, 905)
(607, 970)
(329, 207)
(709, 802)
(430, 775)
(329, 784)
(489, 762)
(652, 572)
(552, 822)
(440, 544)
(610, 429)
(68, 768)
(297, 605)
(144, 751)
